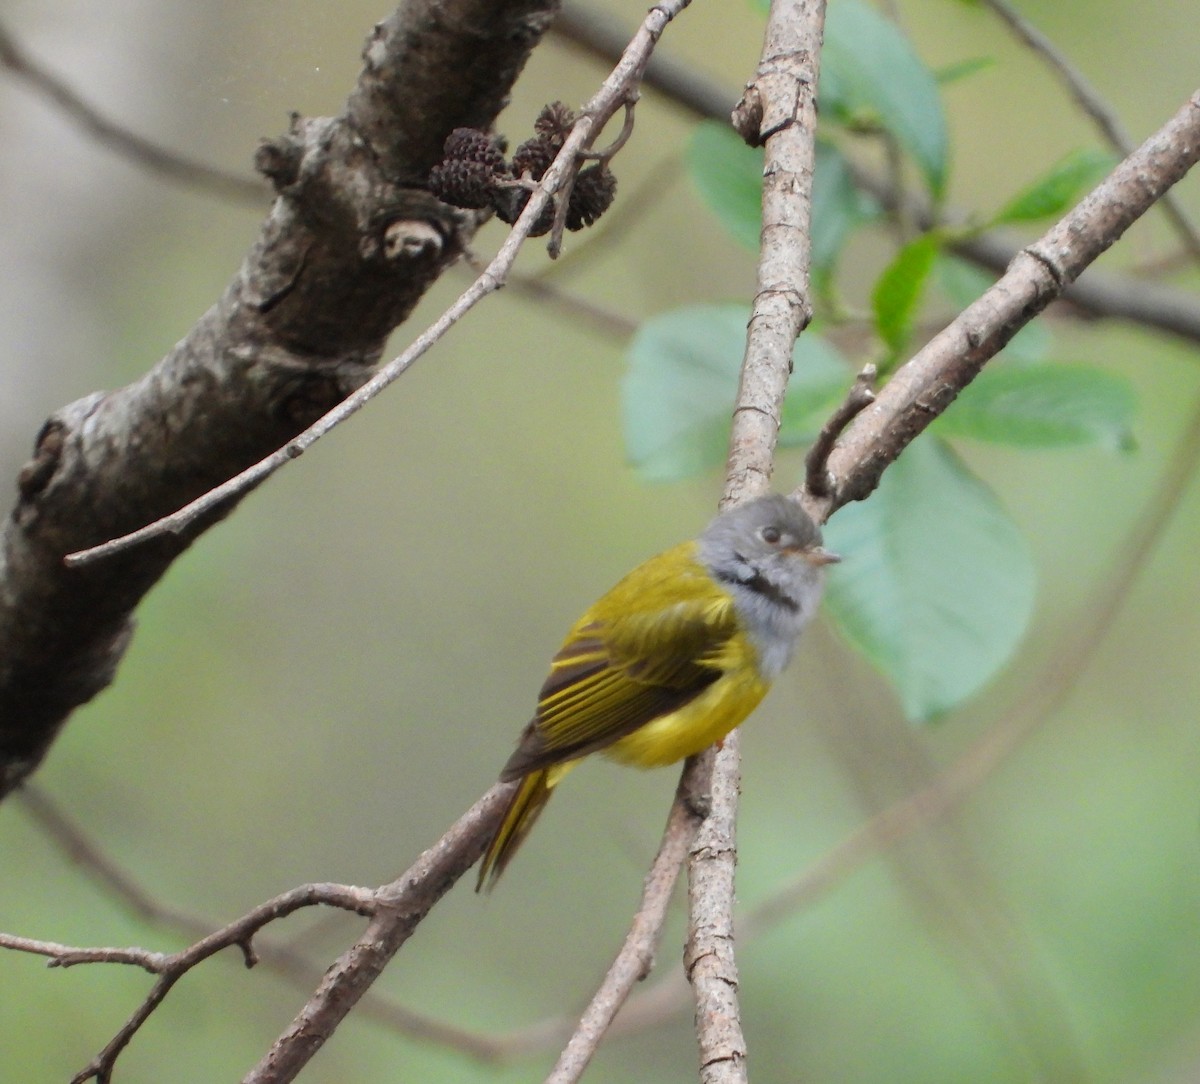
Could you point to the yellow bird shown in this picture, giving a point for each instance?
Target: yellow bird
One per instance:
(671, 659)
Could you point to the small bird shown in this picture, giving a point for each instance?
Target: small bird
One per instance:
(671, 659)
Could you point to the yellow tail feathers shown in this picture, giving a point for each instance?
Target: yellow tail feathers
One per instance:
(527, 802)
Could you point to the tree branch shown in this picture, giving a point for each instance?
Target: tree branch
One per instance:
(926, 385)
(778, 111)
(170, 968)
(351, 243)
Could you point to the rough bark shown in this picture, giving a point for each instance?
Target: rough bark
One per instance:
(351, 243)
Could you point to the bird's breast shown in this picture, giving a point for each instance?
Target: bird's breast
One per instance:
(722, 706)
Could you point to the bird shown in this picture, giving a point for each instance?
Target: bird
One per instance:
(671, 659)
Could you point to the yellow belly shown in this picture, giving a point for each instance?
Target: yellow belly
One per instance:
(705, 720)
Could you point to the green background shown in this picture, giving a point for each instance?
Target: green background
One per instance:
(330, 677)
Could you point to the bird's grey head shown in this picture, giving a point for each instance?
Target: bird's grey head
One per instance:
(767, 553)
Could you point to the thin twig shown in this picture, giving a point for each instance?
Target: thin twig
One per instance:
(141, 151)
(276, 956)
(1089, 99)
(636, 957)
(171, 967)
(816, 464)
(778, 110)
(562, 206)
(709, 953)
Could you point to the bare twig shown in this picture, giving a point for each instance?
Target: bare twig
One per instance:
(778, 110)
(636, 957)
(816, 464)
(170, 968)
(143, 152)
(1089, 99)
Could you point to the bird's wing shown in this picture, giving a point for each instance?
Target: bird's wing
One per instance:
(635, 656)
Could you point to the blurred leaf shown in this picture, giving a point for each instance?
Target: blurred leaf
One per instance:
(1044, 405)
(839, 208)
(964, 69)
(679, 389)
(898, 291)
(728, 175)
(1059, 189)
(936, 585)
(869, 72)
(963, 283)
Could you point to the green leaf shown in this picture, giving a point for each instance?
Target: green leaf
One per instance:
(679, 389)
(936, 585)
(1059, 189)
(896, 298)
(870, 72)
(728, 176)
(1045, 405)
(839, 207)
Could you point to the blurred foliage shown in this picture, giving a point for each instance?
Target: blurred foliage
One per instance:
(327, 679)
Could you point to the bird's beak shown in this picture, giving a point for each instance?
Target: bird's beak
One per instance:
(819, 556)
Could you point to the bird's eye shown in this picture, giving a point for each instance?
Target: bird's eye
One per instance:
(770, 535)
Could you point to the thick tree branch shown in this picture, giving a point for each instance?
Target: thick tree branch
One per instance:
(349, 246)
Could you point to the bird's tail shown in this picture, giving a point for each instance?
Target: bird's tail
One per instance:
(527, 802)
